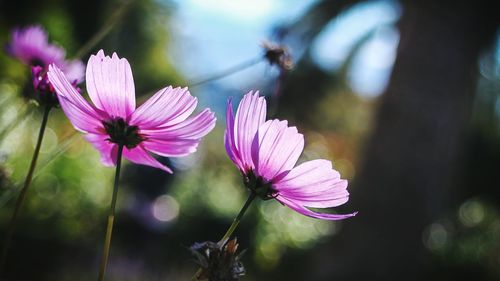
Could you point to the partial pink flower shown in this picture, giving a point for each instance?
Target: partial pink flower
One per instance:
(266, 153)
(30, 46)
(161, 125)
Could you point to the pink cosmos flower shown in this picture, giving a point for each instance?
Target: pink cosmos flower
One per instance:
(30, 46)
(266, 152)
(160, 125)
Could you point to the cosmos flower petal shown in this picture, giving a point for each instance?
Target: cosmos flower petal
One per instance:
(53, 54)
(192, 128)
(325, 199)
(107, 150)
(306, 212)
(74, 71)
(110, 84)
(161, 125)
(250, 115)
(314, 184)
(171, 147)
(65, 89)
(82, 121)
(166, 107)
(139, 155)
(229, 143)
(30, 45)
(34, 34)
(276, 148)
(81, 114)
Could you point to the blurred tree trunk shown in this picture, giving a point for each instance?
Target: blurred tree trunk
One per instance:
(407, 178)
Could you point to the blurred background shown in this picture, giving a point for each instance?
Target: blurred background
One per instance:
(403, 97)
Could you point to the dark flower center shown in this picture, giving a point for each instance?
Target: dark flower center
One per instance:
(44, 92)
(37, 62)
(121, 133)
(259, 186)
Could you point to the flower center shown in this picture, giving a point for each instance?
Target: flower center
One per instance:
(260, 186)
(121, 133)
(37, 62)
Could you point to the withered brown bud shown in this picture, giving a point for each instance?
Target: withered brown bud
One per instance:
(277, 54)
(218, 261)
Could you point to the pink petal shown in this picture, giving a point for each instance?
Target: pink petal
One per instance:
(108, 150)
(250, 115)
(306, 212)
(74, 71)
(165, 108)
(110, 84)
(276, 148)
(82, 115)
(229, 142)
(314, 184)
(171, 147)
(139, 155)
(30, 44)
(192, 128)
(34, 36)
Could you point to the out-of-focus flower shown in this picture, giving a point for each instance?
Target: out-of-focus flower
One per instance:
(278, 55)
(30, 46)
(266, 153)
(218, 261)
(160, 125)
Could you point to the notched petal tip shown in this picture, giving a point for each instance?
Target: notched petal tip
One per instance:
(52, 67)
(182, 89)
(110, 85)
(100, 54)
(229, 107)
(252, 93)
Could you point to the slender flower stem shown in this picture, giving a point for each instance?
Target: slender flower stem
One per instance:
(231, 229)
(63, 146)
(196, 275)
(230, 71)
(105, 29)
(13, 124)
(111, 217)
(22, 195)
(227, 72)
(236, 220)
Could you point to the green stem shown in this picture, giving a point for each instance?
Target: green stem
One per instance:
(195, 276)
(236, 220)
(13, 124)
(111, 217)
(227, 72)
(231, 229)
(63, 146)
(230, 71)
(22, 195)
(105, 29)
